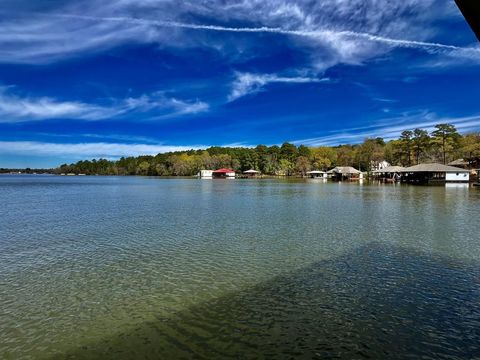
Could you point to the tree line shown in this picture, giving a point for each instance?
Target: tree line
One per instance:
(415, 146)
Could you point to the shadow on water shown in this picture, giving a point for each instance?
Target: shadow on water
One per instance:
(375, 302)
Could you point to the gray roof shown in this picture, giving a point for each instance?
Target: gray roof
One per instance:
(458, 162)
(344, 170)
(390, 169)
(433, 168)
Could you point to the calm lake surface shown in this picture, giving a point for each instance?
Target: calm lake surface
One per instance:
(132, 268)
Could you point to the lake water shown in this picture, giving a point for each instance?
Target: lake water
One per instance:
(133, 268)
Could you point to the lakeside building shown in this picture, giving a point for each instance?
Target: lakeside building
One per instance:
(434, 173)
(251, 173)
(205, 174)
(223, 174)
(340, 173)
(317, 174)
(389, 174)
(379, 165)
(461, 163)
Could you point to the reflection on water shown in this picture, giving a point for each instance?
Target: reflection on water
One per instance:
(106, 267)
(376, 302)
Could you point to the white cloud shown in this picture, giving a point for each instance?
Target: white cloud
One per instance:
(336, 30)
(391, 128)
(87, 150)
(247, 83)
(15, 108)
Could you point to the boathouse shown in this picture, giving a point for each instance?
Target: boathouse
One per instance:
(340, 173)
(434, 173)
(224, 174)
(205, 174)
(317, 174)
(251, 173)
(389, 174)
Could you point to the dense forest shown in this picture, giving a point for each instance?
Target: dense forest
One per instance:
(442, 145)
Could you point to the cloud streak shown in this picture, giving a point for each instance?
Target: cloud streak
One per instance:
(248, 83)
(90, 150)
(391, 128)
(347, 31)
(15, 108)
(320, 34)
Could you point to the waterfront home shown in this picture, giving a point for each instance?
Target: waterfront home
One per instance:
(461, 163)
(340, 173)
(389, 174)
(434, 173)
(224, 174)
(251, 173)
(317, 174)
(205, 174)
(379, 165)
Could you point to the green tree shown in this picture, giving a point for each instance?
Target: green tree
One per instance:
(406, 143)
(304, 151)
(288, 151)
(446, 137)
(369, 154)
(470, 148)
(286, 167)
(345, 155)
(323, 157)
(143, 167)
(421, 143)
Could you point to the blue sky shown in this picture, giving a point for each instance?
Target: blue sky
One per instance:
(128, 77)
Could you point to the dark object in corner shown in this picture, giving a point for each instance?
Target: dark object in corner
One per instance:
(471, 12)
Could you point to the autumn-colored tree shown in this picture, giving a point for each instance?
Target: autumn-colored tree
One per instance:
(302, 165)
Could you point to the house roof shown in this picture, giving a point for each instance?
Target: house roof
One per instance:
(390, 169)
(315, 172)
(251, 171)
(433, 168)
(223, 171)
(344, 170)
(458, 162)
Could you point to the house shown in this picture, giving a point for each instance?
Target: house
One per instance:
(461, 163)
(205, 174)
(340, 173)
(224, 174)
(379, 165)
(434, 173)
(317, 174)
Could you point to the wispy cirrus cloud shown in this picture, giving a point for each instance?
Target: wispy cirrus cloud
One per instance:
(337, 31)
(82, 150)
(87, 149)
(248, 83)
(15, 108)
(318, 34)
(391, 128)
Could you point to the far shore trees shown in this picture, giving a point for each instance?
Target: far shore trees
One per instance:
(445, 144)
